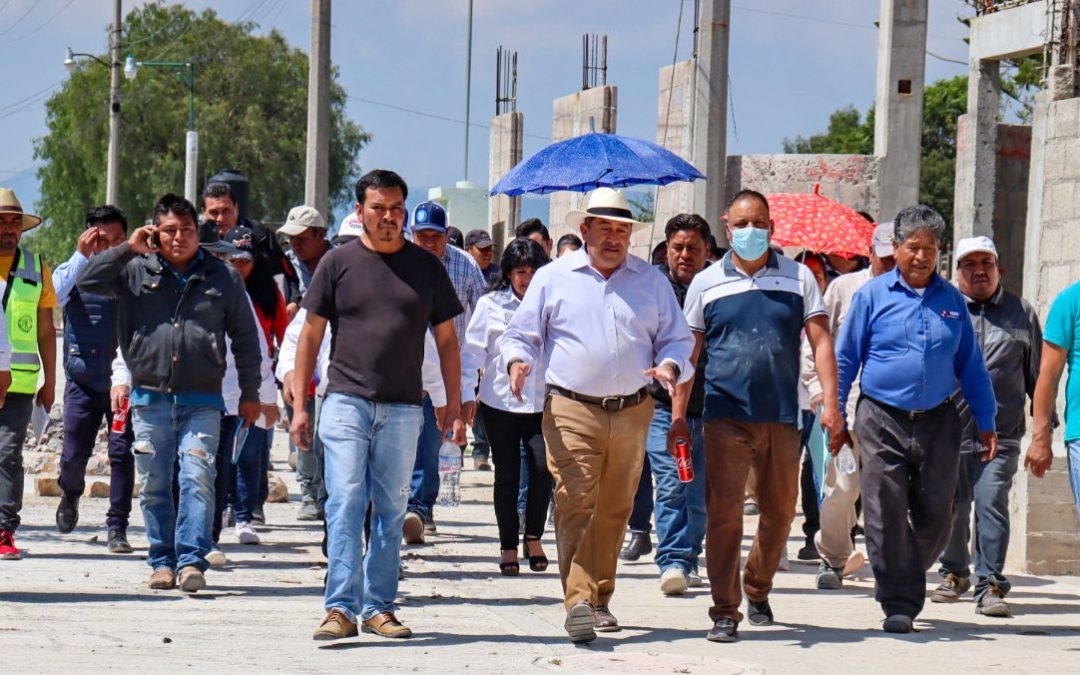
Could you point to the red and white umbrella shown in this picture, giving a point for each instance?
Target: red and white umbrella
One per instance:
(819, 224)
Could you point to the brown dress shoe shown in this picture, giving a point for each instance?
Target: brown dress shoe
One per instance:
(605, 621)
(580, 623)
(335, 627)
(162, 579)
(191, 579)
(387, 625)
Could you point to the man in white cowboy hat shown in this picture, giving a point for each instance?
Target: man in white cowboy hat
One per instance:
(29, 299)
(605, 324)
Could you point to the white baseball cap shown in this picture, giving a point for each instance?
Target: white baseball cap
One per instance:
(969, 245)
(882, 241)
(350, 226)
(301, 218)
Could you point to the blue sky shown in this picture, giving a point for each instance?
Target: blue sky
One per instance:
(792, 63)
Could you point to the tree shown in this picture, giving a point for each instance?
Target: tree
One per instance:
(251, 114)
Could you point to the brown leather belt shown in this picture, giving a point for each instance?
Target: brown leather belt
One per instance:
(605, 402)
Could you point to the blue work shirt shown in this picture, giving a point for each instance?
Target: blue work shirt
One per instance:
(912, 349)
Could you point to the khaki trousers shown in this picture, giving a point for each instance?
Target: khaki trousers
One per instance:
(833, 539)
(731, 449)
(595, 456)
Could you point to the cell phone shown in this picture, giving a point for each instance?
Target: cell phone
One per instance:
(155, 239)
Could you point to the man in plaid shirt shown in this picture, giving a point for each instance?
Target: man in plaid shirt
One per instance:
(429, 227)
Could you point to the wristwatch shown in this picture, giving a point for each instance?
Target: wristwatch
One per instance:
(511, 363)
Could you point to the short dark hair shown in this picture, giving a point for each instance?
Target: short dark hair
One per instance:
(687, 222)
(380, 179)
(217, 190)
(106, 214)
(176, 205)
(568, 240)
(532, 226)
(748, 194)
(521, 252)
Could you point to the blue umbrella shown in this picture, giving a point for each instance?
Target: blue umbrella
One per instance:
(595, 160)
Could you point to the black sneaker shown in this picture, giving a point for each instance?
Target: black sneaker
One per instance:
(724, 630)
(829, 578)
(808, 553)
(67, 512)
(759, 613)
(118, 542)
(639, 545)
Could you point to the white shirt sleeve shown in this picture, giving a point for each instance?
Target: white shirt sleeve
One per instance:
(287, 350)
(431, 372)
(120, 373)
(693, 306)
(524, 336)
(674, 343)
(813, 304)
(474, 346)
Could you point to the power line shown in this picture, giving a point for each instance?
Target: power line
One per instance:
(818, 19)
(19, 20)
(422, 113)
(943, 58)
(46, 23)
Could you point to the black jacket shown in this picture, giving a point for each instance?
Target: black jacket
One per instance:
(172, 336)
(1008, 332)
(696, 405)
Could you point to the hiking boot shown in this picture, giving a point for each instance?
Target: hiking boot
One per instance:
(951, 589)
(605, 621)
(829, 578)
(724, 630)
(993, 604)
(673, 581)
(640, 544)
(245, 534)
(8, 550)
(387, 625)
(759, 613)
(118, 542)
(335, 627)
(580, 623)
(191, 579)
(67, 512)
(163, 579)
(897, 623)
(309, 511)
(413, 528)
(808, 553)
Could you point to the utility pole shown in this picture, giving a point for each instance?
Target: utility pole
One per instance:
(113, 165)
(709, 112)
(317, 166)
(468, 88)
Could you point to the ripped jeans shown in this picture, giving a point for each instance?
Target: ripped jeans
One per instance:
(178, 536)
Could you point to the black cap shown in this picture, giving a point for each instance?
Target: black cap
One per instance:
(453, 237)
(478, 238)
(210, 238)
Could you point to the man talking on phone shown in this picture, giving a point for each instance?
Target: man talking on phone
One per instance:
(175, 305)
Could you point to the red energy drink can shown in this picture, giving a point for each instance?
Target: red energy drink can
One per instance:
(682, 460)
(120, 416)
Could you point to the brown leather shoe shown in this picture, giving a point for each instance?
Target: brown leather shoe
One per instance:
(605, 621)
(387, 625)
(163, 579)
(191, 579)
(335, 627)
(580, 623)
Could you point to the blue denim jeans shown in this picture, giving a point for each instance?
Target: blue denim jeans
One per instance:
(179, 535)
(1072, 449)
(369, 449)
(679, 509)
(424, 487)
(641, 516)
(248, 472)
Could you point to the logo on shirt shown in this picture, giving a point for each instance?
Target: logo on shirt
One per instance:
(949, 314)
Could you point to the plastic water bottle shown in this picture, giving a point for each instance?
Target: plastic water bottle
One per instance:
(449, 474)
(845, 461)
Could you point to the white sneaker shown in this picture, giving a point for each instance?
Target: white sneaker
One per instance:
(245, 533)
(784, 565)
(693, 580)
(673, 581)
(216, 558)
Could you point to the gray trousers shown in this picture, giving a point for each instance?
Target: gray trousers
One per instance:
(909, 474)
(14, 418)
(309, 465)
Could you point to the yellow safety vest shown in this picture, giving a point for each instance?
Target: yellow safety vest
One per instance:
(21, 298)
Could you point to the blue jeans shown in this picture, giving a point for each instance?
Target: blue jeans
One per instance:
(641, 517)
(424, 487)
(249, 472)
(179, 536)
(1072, 449)
(368, 448)
(679, 509)
(986, 485)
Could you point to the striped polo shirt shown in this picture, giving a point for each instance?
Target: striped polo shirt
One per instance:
(752, 328)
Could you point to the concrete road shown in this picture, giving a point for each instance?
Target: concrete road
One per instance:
(70, 606)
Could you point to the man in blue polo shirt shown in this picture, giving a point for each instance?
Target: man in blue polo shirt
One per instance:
(750, 310)
(910, 333)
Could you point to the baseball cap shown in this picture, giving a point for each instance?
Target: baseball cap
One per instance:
(970, 245)
(429, 216)
(479, 239)
(882, 241)
(301, 218)
(350, 226)
(241, 237)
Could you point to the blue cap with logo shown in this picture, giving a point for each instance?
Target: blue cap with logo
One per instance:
(429, 216)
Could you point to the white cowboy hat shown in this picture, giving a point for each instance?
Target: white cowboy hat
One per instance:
(9, 203)
(604, 203)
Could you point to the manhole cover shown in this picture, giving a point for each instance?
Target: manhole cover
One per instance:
(634, 662)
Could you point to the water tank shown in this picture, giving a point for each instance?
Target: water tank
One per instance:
(240, 186)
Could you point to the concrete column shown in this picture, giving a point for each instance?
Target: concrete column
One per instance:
(672, 132)
(898, 109)
(575, 115)
(317, 167)
(976, 153)
(709, 116)
(507, 133)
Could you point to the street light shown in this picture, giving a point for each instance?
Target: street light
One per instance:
(186, 72)
(114, 119)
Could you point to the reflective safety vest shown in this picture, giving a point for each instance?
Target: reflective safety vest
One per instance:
(21, 297)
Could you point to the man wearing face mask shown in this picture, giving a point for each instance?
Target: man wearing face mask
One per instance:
(749, 311)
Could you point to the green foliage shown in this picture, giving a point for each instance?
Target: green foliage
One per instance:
(847, 135)
(643, 205)
(250, 112)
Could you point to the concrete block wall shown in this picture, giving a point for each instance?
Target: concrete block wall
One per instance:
(1045, 531)
(506, 149)
(850, 179)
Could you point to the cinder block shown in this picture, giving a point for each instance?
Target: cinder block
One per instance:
(1066, 114)
(1047, 519)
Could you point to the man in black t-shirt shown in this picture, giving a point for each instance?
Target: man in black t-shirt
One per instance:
(379, 294)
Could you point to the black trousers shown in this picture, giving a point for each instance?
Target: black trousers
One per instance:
(908, 480)
(507, 433)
